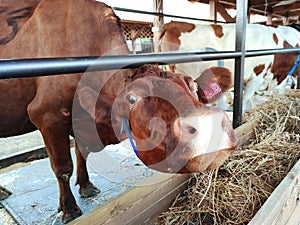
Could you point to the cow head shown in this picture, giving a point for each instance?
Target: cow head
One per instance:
(173, 131)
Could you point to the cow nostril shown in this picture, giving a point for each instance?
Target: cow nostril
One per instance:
(192, 130)
(184, 128)
(188, 129)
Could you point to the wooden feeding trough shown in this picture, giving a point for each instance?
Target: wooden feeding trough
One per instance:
(245, 185)
(283, 206)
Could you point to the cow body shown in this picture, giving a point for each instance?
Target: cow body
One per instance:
(261, 74)
(167, 121)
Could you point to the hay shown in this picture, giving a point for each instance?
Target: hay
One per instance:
(234, 193)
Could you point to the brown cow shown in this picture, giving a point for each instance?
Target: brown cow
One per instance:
(173, 131)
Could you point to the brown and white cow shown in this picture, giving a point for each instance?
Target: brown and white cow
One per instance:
(261, 74)
(174, 131)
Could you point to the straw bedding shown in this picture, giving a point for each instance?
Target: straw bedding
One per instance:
(234, 193)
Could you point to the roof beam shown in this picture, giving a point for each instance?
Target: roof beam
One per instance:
(263, 7)
(286, 8)
(294, 13)
(262, 3)
(223, 12)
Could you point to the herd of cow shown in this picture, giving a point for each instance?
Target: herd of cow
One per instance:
(164, 111)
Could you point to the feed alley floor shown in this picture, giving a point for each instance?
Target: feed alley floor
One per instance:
(34, 198)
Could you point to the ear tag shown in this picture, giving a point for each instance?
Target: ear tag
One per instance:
(213, 89)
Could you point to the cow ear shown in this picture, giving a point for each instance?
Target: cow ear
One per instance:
(97, 105)
(87, 98)
(212, 83)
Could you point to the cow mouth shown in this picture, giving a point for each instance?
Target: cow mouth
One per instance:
(207, 161)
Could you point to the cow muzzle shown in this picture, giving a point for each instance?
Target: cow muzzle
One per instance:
(206, 137)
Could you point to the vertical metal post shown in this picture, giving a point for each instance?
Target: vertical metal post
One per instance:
(158, 22)
(240, 40)
(298, 78)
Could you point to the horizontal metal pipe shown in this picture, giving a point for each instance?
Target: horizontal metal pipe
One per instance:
(18, 68)
(21, 68)
(253, 53)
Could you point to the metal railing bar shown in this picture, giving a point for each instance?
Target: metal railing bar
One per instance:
(254, 53)
(18, 68)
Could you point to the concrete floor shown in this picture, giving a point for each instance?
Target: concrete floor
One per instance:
(34, 186)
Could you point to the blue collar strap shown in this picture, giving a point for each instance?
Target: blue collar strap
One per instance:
(124, 122)
(295, 66)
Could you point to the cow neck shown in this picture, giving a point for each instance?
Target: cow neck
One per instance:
(125, 123)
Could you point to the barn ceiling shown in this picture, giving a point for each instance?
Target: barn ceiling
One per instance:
(276, 8)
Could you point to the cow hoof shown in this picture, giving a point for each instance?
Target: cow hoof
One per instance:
(71, 214)
(89, 191)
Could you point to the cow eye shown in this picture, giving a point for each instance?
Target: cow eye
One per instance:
(132, 99)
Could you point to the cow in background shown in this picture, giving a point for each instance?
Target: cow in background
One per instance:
(261, 75)
(290, 33)
(174, 132)
(295, 26)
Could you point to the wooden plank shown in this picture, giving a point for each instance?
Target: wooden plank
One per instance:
(142, 204)
(245, 131)
(283, 201)
(295, 218)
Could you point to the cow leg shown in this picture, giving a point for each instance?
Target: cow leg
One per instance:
(56, 138)
(250, 89)
(62, 165)
(86, 188)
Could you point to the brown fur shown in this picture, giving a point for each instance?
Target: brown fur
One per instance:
(258, 69)
(275, 38)
(218, 30)
(172, 31)
(283, 63)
